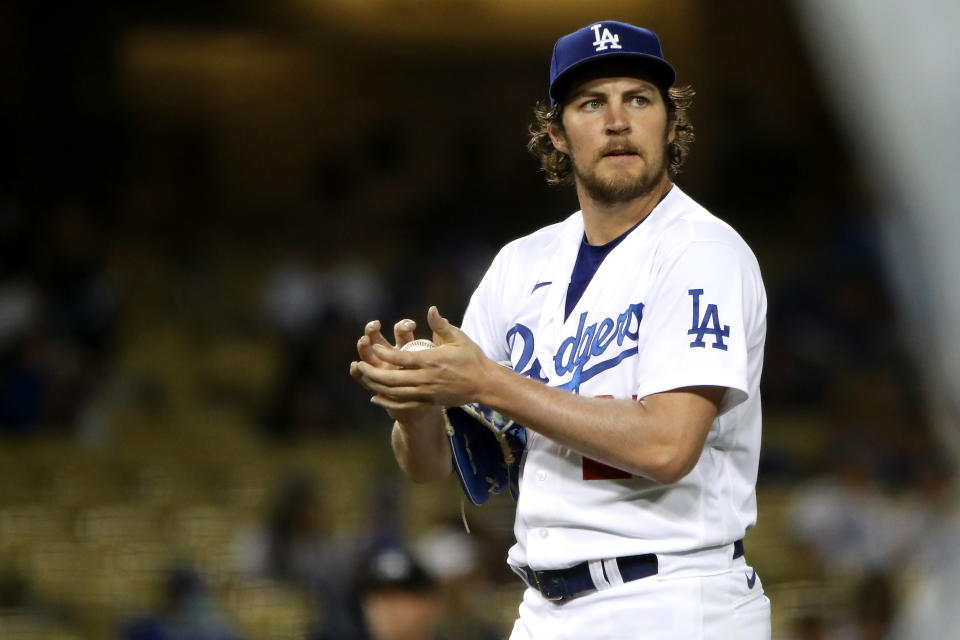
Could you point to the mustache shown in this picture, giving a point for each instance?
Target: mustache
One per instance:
(618, 148)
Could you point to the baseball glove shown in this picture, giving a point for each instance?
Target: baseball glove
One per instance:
(487, 448)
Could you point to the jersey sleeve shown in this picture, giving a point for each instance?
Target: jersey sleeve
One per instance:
(483, 320)
(697, 322)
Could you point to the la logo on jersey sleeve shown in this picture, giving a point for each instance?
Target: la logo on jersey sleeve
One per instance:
(707, 325)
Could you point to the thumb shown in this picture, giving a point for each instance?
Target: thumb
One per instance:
(443, 331)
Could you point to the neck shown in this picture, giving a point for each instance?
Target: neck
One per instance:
(604, 221)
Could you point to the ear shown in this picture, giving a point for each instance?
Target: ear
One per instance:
(558, 139)
(672, 132)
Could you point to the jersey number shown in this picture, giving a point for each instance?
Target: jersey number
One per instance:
(593, 470)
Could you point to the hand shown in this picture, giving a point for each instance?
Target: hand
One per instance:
(450, 375)
(402, 411)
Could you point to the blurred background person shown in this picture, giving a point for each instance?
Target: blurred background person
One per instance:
(399, 600)
(295, 548)
(455, 559)
(185, 612)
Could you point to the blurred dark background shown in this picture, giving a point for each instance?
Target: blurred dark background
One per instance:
(201, 204)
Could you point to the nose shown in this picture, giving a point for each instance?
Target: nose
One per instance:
(616, 118)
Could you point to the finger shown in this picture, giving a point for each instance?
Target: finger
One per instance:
(372, 331)
(367, 354)
(398, 358)
(443, 331)
(357, 374)
(398, 405)
(390, 376)
(355, 371)
(403, 332)
(399, 394)
(394, 383)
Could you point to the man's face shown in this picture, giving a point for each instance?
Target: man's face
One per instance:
(398, 614)
(616, 133)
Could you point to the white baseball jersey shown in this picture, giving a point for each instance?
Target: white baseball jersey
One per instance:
(679, 302)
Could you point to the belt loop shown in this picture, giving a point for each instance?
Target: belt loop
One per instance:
(596, 573)
(612, 569)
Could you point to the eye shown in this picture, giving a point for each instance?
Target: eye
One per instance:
(639, 101)
(591, 105)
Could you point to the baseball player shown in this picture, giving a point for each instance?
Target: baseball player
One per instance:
(635, 330)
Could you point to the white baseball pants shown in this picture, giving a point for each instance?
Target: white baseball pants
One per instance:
(725, 606)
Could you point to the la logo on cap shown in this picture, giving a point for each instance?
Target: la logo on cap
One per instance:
(605, 39)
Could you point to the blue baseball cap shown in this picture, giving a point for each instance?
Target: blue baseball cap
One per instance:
(608, 40)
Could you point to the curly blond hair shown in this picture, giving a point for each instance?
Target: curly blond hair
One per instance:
(559, 168)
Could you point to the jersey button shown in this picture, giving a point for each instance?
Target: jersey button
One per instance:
(544, 533)
(541, 475)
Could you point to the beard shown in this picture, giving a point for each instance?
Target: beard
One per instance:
(620, 188)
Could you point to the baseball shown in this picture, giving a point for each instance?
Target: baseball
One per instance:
(417, 345)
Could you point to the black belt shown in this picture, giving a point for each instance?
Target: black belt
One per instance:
(564, 584)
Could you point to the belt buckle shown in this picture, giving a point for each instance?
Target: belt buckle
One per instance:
(552, 597)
